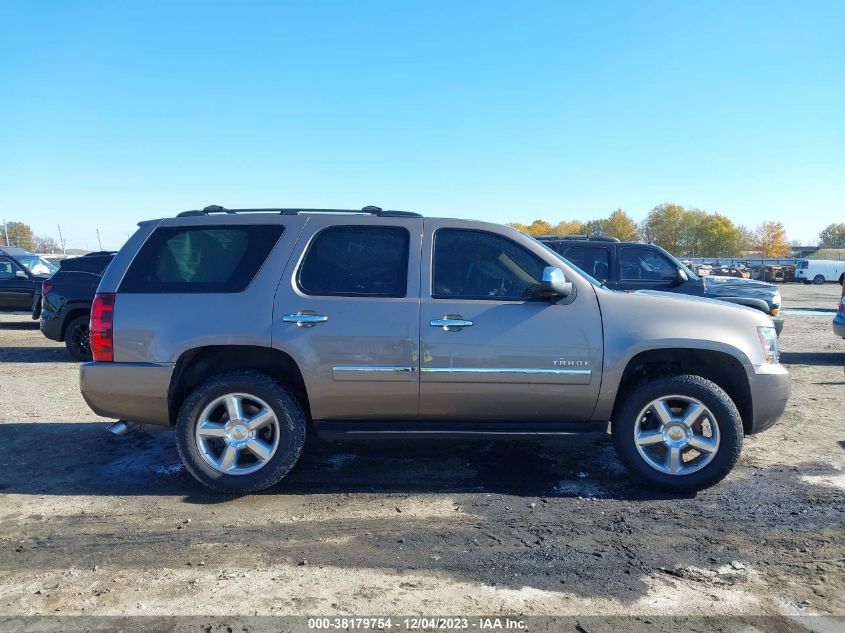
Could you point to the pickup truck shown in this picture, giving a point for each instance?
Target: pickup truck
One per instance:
(21, 275)
(638, 266)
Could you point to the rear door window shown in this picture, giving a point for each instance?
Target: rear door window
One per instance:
(593, 260)
(200, 259)
(357, 261)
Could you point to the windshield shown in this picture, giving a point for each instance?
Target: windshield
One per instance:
(586, 276)
(37, 266)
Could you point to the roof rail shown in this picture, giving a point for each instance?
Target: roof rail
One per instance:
(371, 210)
(578, 236)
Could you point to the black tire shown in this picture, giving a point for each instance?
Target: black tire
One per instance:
(712, 396)
(76, 339)
(292, 426)
(818, 280)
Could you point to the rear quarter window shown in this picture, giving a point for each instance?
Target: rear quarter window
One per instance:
(200, 259)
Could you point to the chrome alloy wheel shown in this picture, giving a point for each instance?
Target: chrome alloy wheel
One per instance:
(676, 435)
(237, 434)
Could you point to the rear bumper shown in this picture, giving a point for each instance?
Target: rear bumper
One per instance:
(839, 325)
(135, 392)
(51, 328)
(770, 390)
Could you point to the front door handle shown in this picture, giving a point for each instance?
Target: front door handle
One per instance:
(451, 323)
(305, 319)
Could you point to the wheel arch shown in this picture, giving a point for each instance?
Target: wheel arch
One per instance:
(73, 313)
(195, 366)
(722, 368)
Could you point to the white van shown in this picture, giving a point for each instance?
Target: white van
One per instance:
(819, 271)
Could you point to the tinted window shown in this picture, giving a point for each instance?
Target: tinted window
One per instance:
(90, 264)
(646, 264)
(593, 260)
(357, 261)
(192, 260)
(7, 268)
(479, 265)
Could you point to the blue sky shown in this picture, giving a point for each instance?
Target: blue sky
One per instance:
(115, 112)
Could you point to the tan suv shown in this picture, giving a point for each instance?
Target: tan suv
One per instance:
(244, 328)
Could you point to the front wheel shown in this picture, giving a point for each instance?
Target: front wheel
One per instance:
(680, 433)
(76, 339)
(818, 280)
(240, 432)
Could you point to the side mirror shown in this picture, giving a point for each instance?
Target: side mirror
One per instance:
(554, 284)
(681, 277)
(21, 274)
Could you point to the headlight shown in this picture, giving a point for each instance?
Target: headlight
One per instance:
(769, 342)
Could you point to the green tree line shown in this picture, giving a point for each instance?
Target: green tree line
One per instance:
(687, 232)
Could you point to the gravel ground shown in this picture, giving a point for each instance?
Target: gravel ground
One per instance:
(96, 525)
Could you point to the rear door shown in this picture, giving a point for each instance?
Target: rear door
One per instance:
(490, 349)
(347, 310)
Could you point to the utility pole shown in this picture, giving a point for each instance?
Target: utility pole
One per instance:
(6, 229)
(62, 240)
(99, 241)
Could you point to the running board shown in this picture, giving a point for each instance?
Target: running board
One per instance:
(487, 430)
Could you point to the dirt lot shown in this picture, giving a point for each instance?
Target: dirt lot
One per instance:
(91, 524)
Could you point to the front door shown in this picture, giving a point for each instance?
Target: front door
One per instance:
(642, 268)
(491, 348)
(16, 286)
(347, 310)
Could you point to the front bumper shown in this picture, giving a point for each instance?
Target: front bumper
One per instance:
(135, 392)
(770, 388)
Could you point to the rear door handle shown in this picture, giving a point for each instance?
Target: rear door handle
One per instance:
(451, 323)
(306, 319)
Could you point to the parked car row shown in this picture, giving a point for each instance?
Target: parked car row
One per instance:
(244, 329)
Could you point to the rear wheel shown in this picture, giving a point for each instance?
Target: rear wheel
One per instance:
(681, 433)
(76, 339)
(818, 280)
(240, 432)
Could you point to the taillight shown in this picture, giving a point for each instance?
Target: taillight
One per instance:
(46, 286)
(101, 327)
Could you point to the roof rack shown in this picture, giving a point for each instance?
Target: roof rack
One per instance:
(371, 210)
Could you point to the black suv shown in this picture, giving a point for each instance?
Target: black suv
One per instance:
(66, 301)
(21, 274)
(637, 266)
